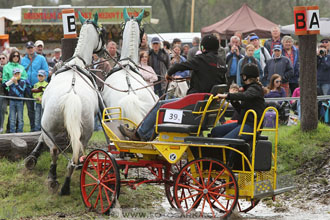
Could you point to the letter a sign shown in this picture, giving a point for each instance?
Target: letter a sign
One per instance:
(306, 20)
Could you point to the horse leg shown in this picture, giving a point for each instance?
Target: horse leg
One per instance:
(52, 176)
(65, 190)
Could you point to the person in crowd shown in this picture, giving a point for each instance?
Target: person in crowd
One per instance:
(275, 40)
(233, 56)
(147, 72)
(207, 71)
(281, 65)
(176, 41)
(195, 47)
(56, 58)
(185, 50)
(326, 42)
(3, 103)
(37, 92)
(275, 89)
(159, 60)
(221, 51)
(296, 103)
(144, 46)
(323, 70)
(32, 63)
(177, 89)
(240, 36)
(177, 58)
(17, 87)
(251, 98)
(112, 49)
(104, 66)
(260, 53)
(247, 59)
(167, 47)
(14, 62)
(39, 47)
(291, 52)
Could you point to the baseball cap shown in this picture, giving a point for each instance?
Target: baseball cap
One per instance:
(277, 47)
(41, 73)
(38, 43)
(56, 50)
(254, 37)
(16, 70)
(29, 44)
(155, 40)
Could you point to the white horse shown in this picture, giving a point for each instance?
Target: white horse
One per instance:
(135, 104)
(70, 102)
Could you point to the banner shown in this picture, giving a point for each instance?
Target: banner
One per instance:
(107, 15)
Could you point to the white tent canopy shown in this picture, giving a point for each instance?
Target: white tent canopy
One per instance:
(324, 28)
(13, 14)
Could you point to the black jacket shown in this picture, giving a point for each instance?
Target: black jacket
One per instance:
(251, 98)
(207, 70)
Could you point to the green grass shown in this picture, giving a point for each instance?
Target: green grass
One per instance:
(296, 147)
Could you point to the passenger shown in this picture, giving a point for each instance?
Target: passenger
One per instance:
(251, 98)
(207, 70)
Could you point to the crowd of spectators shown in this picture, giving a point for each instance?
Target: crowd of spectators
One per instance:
(277, 60)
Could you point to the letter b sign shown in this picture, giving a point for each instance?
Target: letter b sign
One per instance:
(69, 23)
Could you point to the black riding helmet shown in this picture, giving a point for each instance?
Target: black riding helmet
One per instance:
(210, 42)
(250, 70)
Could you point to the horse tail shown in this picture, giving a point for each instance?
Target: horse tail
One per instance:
(72, 109)
(131, 108)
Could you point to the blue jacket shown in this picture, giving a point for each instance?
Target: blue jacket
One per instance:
(239, 69)
(295, 65)
(19, 89)
(323, 69)
(39, 63)
(182, 74)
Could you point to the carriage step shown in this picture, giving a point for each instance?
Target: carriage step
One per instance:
(283, 190)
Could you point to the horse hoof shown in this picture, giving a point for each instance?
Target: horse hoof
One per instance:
(30, 162)
(64, 192)
(53, 186)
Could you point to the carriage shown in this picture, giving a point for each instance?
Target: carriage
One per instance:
(200, 174)
(203, 175)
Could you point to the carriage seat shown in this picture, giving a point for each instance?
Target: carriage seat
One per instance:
(263, 149)
(190, 122)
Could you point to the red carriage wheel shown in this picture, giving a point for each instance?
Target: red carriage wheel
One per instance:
(171, 172)
(206, 187)
(99, 181)
(246, 206)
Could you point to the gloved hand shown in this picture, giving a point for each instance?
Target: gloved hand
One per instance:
(168, 78)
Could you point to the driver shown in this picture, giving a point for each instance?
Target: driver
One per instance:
(251, 98)
(207, 70)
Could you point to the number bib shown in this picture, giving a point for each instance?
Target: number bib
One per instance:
(174, 116)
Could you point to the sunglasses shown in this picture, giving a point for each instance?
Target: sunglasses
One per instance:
(278, 81)
(324, 41)
(16, 55)
(2, 58)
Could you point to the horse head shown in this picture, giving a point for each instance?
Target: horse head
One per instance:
(88, 37)
(132, 36)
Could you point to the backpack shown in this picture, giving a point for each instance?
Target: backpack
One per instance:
(270, 119)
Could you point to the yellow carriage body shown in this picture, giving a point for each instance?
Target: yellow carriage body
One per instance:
(170, 146)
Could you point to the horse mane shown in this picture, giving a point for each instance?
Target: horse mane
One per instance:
(131, 38)
(81, 49)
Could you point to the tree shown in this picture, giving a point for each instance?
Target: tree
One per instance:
(308, 91)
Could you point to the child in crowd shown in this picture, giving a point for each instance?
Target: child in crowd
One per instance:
(37, 92)
(17, 87)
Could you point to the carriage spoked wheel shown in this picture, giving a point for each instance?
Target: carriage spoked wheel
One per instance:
(171, 173)
(246, 206)
(99, 181)
(205, 186)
